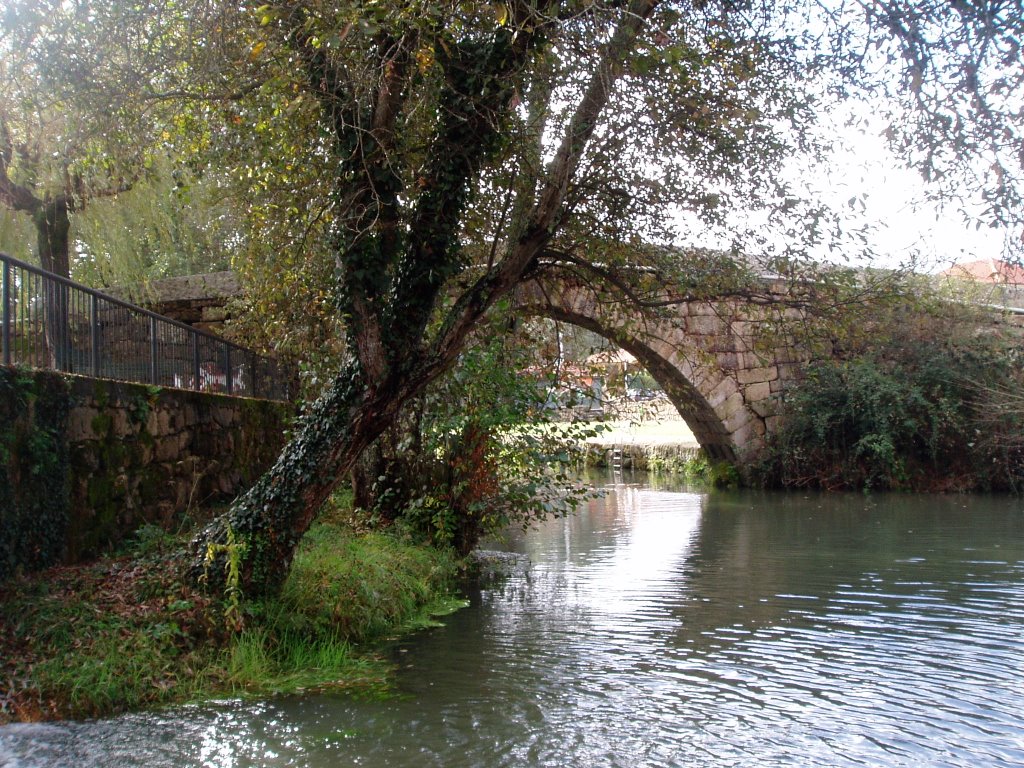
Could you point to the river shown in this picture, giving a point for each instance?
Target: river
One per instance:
(668, 628)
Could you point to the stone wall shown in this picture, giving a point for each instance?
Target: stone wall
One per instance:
(197, 300)
(122, 455)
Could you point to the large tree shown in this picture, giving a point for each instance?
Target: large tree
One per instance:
(444, 151)
(471, 146)
(93, 94)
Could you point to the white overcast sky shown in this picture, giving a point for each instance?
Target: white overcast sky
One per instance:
(906, 228)
(895, 197)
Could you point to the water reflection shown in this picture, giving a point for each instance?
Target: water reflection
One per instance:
(670, 628)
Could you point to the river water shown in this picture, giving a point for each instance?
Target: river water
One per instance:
(668, 628)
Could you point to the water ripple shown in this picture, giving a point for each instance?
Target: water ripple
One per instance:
(669, 629)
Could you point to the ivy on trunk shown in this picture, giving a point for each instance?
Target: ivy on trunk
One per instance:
(396, 261)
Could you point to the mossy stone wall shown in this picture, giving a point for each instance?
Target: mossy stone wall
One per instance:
(84, 462)
(34, 469)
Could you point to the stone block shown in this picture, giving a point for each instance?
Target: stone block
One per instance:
(723, 390)
(789, 355)
(757, 375)
(737, 419)
(754, 393)
(788, 370)
(211, 314)
(766, 407)
(704, 325)
(749, 435)
(741, 328)
(722, 343)
(729, 361)
(733, 404)
(662, 348)
(753, 359)
(164, 422)
(80, 422)
(165, 449)
(225, 416)
(121, 425)
(175, 423)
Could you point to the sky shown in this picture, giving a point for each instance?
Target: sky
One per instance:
(906, 228)
(895, 197)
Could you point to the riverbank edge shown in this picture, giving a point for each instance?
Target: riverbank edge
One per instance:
(124, 633)
(661, 459)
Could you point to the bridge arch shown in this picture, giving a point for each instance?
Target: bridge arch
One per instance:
(705, 355)
(694, 408)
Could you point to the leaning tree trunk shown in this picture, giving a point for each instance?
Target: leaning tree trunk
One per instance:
(249, 549)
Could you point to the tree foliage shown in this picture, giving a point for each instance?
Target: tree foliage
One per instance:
(434, 155)
(477, 451)
(174, 221)
(90, 98)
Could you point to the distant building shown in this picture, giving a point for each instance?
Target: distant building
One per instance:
(987, 271)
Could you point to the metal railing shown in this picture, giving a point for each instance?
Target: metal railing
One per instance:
(50, 322)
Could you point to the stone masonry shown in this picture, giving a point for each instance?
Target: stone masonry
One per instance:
(139, 455)
(724, 375)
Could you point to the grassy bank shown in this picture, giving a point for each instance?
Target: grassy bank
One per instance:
(125, 633)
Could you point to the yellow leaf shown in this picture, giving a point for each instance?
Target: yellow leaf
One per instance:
(257, 49)
(424, 58)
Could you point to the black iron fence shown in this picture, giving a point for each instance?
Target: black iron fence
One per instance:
(47, 321)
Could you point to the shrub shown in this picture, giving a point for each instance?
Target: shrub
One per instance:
(912, 412)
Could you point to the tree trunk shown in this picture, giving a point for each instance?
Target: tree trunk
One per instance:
(53, 227)
(249, 549)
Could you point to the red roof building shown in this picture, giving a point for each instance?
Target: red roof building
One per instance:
(987, 271)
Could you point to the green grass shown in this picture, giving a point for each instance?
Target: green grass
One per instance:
(358, 587)
(125, 634)
(344, 590)
(263, 662)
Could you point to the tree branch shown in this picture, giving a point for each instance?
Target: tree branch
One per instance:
(367, 231)
(477, 96)
(14, 196)
(545, 217)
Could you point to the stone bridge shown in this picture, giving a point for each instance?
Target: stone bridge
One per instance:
(723, 364)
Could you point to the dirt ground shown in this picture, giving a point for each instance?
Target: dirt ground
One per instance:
(661, 432)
